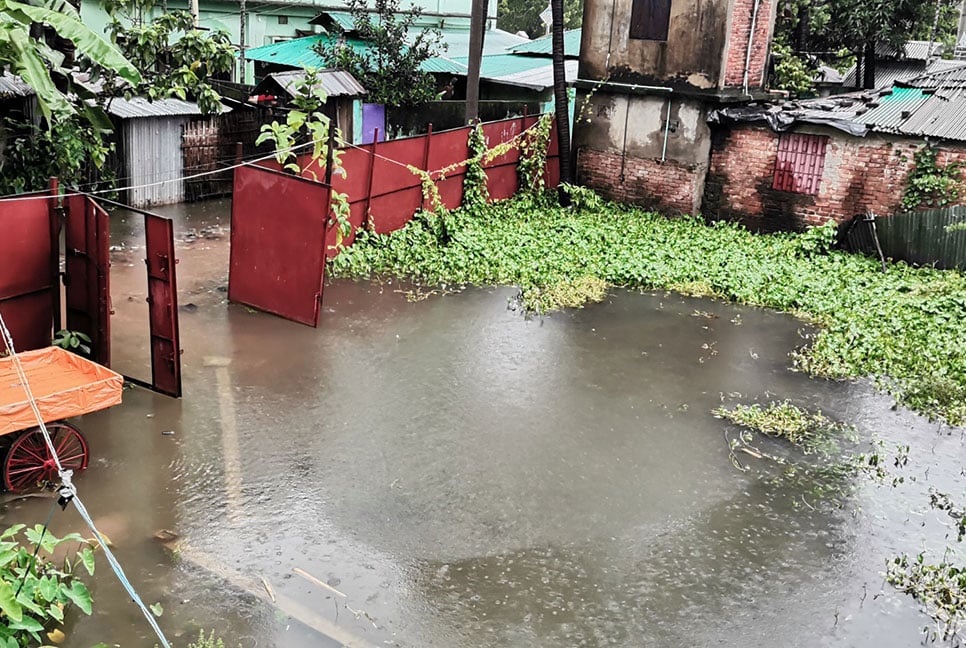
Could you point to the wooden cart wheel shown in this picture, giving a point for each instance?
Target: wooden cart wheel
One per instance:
(29, 464)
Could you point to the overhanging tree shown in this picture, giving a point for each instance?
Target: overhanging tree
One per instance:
(175, 58)
(524, 15)
(389, 65)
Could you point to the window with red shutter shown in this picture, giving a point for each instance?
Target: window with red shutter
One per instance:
(650, 19)
(801, 160)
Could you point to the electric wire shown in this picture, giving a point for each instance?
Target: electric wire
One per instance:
(69, 490)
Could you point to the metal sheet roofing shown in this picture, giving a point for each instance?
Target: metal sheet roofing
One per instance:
(950, 76)
(335, 83)
(140, 107)
(12, 85)
(543, 46)
(938, 117)
(888, 72)
(300, 52)
(892, 109)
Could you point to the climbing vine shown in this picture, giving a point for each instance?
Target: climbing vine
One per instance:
(306, 121)
(931, 184)
(533, 155)
(475, 193)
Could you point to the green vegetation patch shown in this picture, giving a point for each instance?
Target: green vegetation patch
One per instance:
(905, 327)
(810, 431)
(940, 588)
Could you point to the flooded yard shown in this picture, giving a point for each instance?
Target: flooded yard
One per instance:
(460, 475)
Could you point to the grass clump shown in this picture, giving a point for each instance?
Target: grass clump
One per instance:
(810, 431)
(939, 588)
(904, 327)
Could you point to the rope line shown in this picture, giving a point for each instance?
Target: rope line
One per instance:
(248, 162)
(69, 490)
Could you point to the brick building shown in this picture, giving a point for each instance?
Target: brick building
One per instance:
(802, 163)
(650, 73)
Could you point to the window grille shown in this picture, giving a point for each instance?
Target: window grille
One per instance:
(801, 160)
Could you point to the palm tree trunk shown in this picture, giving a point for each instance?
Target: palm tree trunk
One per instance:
(561, 100)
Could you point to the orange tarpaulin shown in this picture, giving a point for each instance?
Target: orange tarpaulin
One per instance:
(63, 384)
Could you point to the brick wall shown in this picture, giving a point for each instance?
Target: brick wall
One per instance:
(738, 43)
(667, 186)
(860, 175)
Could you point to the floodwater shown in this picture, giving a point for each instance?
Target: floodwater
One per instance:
(465, 476)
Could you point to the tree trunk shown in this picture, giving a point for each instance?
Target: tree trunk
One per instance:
(560, 98)
(477, 30)
(868, 72)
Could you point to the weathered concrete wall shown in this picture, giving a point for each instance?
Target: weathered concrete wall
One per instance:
(860, 175)
(705, 49)
(628, 167)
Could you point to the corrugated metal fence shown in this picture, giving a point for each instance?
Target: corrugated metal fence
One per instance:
(931, 237)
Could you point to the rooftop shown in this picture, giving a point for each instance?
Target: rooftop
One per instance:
(931, 105)
(335, 83)
(543, 46)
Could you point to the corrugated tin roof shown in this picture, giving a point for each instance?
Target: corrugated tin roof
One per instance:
(938, 117)
(12, 85)
(539, 78)
(296, 53)
(951, 76)
(300, 52)
(335, 83)
(543, 46)
(888, 72)
(893, 109)
(140, 107)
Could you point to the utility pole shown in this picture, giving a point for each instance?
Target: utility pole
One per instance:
(477, 31)
(193, 8)
(560, 99)
(243, 17)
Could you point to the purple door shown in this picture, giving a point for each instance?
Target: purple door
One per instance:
(373, 117)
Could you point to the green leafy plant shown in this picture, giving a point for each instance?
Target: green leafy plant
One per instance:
(34, 593)
(388, 62)
(75, 341)
(306, 123)
(939, 587)
(792, 72)
(174, 57)
(931, 184)
(582, 198)
(533, 155)
(65, 150)
(475, 193)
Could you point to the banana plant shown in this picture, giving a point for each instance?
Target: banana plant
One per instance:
(36, 63)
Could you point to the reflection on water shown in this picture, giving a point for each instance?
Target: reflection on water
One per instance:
(470, 478)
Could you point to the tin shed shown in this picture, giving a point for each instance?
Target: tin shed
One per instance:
(150, 147)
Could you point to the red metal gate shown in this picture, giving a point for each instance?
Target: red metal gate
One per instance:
(87, 275)
(277, 258)
(163, 305)
(29, 271)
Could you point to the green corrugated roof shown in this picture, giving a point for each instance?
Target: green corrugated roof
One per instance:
(499, 65)
(300, 53)
(893, 108)
(543, 46)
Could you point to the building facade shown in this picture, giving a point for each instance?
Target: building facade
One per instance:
(650, 73)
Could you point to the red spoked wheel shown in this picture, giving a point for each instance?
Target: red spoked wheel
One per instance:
(29, 463)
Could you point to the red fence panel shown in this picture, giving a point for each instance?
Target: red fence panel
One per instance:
(87, 260)
(277, 256)
(29, 282)
(449, 148)
(501, 172)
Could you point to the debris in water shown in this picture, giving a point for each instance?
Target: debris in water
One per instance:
(312, 579)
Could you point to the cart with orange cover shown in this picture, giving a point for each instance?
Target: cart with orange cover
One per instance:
(64, 385)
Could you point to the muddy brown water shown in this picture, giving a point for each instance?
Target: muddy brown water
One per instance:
(469, 477)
